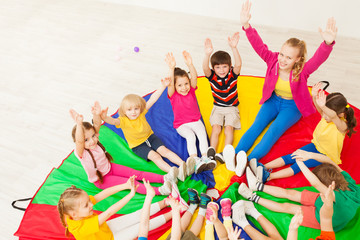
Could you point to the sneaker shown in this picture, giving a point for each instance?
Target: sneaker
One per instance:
(190, 165)
(175, 193)
(251, 179)
(262, 174)
(209, 212)
(238, 214)
(241, 161)
(210, 153)
(171, 176)
(245, 191)
(193, 196)
(200, 165)
(204, 200)
(229, 157)
(219, 157)
(210, 163)
(165, 189)
(225, 207)
(182, 172)
(253, 165)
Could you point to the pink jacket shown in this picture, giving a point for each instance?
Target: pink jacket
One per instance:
(299, 88)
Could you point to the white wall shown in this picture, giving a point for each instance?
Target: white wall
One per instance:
(300, 14)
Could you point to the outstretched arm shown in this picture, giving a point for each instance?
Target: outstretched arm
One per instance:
(330, 32)
(193, 73)
(96, 112)
(314, 181)
(208, 51)
(245, 14)
(117, 206)
(79, 133)
(170, 60)
(327, 210)
(219, 227)
(176, 221)
(155, 96)
(314, 92)
(145, 213)
(108, 119)
(302, 155)
(294, 225)
(233, 42)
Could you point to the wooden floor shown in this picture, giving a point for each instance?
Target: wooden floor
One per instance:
(57, 55)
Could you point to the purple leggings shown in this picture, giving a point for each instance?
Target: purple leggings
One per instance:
(119, 174)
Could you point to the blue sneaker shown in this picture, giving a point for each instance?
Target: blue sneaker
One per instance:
(204, 200)
(262, 174)
(193, 196)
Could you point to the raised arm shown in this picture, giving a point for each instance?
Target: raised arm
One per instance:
(219, 227)
(314, 92)
(208, 51)
(96, 112)
(327, 209)
(233, 42)
(155, 96)
(245, 15)
(79, 132)
(314, 181)
(117, 206)
(108, 119)
(193, 73)
(294, 225)
(170, 60)
(145, 212)
(176, 220)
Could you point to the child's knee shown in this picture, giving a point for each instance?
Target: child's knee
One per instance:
(216, 129)
(229, 130)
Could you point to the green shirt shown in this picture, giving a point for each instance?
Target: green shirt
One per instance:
(345, 205)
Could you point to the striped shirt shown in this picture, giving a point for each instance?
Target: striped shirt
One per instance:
(224, 90)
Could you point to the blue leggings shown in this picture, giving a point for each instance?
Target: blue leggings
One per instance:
(284, 113)
(288, 159)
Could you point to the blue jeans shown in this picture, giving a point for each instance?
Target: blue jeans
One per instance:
(284, 113)
(288, 159)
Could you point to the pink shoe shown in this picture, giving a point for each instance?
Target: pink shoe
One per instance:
(209, 212)
(176, 194)
(226, 207)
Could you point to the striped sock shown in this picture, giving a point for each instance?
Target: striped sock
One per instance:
(260, 186)
(254, 198)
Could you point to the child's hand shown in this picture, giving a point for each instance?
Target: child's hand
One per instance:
(234, 39)
(96, 109)
(330, 32)
(233, 234)
(149, 189)
(187, 58)
(170, 60)
(133, 185)
(78, 118)
(329, 196)
(208, 46)
(104, 113)
(301, 155)
(214, 211)
(321, 99)
(130, 181)
(174, 204)
(245, 14)
(315, 89)
(296, 220)
(166, 81)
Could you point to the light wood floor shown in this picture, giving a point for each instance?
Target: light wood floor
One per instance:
(56, 55)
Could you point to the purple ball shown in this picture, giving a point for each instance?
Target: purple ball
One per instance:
(136, 49)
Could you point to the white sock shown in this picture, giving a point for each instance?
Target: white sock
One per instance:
(192, 208)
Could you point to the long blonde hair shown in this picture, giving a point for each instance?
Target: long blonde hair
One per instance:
(67, 203)
(299, 65)
(131, 100)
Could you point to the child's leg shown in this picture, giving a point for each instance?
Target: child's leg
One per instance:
(200, 131)
(159, 161)
(279, 192)
(229, 135)
(269, 228)
(279, 207)
(283, 173)
(173, 157)
(276, 163)
(186, 132)
(214, 138)
(185, 220)
(124, 171)
(197, 225)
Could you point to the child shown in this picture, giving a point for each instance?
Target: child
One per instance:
(347, 195)
(285, 94)
(179, 225)
(212, 220)
(139, 135)
(223, 81)
(97, 161)
(328, 137)
(75, 207)
(187, 117)
(326, 213)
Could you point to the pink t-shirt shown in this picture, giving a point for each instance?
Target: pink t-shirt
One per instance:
(102, 163)
(185, 108)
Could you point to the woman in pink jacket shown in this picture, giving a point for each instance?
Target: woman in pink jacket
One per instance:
(285, 93)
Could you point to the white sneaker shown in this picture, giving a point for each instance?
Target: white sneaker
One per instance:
(200, 165)
(182, 171)
(171, 176)
(245, 191)
(253, 165)
(238, 214)
(251, 179)
(241, 161)
(165, 189)
(210, 164)
(220, 158)
(210, 153)
(190, 165)
(229, 157)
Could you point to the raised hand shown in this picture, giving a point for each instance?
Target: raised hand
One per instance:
(296, 220)
(301, 155)
(166, 81)
(233, 40)
(170, 60)
(208, 47)
(149, 189)
(329, 34)
(174, 204)
(245, 14)
(315, 89)
(133, 185)
(321, 99)
(96, 109)
(233, 234)
(78, 118)
(187, 58)
(329, 196)
(104, 113)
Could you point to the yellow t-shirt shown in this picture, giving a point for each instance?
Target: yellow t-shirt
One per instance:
(88, 228)
(136, 131)
(328, 140)
(282, 88)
